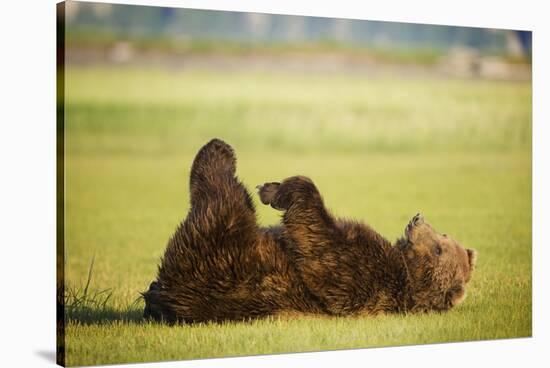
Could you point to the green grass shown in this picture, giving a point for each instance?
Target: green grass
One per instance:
(379, 149)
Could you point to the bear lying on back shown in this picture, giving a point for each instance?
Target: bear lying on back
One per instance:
(220, 265)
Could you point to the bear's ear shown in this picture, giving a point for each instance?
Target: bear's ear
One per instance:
(472, 258)
(417, 220)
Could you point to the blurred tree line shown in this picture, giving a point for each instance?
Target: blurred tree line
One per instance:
(147, 21)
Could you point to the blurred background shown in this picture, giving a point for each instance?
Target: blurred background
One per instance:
(126, 34)
(250, 65)
(389, 119)
(182, 42)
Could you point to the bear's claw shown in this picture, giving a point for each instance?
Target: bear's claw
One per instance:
(267, 192)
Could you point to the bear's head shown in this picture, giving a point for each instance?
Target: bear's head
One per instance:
(438, 267)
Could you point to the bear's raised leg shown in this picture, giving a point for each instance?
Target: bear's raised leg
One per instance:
(205, 263)
(318, 243)
(214, 163)
(305, 219)
(220, 204)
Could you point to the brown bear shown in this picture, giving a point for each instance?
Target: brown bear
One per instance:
(220, 265)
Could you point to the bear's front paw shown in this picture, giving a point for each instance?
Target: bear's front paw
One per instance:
(267, 192)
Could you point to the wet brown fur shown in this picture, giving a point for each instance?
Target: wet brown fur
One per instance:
(220, 265)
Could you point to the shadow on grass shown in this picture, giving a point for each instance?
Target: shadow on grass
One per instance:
(85, 305)
(108, 315)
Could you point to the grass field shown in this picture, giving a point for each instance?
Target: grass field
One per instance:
(380, 149)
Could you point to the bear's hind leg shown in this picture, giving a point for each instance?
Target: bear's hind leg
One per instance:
(220, 204)
(214, 164)
(203, 265)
